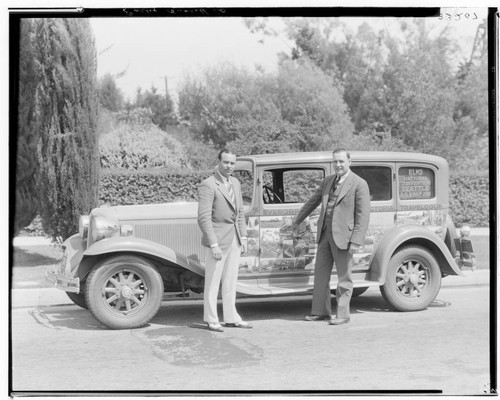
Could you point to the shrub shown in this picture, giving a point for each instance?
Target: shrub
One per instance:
(141, 145)
(200, 156)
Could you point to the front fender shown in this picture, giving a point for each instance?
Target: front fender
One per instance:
(143, 246)
(409, 234)
(74, 248)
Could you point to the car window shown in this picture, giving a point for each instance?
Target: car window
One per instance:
(416, 183)
(291, 185)
(246, 180)
(378, 179)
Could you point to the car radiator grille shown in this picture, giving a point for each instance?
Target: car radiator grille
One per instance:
(182, 238)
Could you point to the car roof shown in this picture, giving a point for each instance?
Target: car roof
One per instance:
(326, 156)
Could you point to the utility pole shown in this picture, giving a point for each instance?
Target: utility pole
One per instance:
(479, 47)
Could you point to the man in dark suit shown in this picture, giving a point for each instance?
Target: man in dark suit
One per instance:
(221, 219)
(342, 226)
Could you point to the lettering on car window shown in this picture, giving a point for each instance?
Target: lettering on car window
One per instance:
(416, 183)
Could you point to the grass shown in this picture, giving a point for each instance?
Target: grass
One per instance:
(29, 264)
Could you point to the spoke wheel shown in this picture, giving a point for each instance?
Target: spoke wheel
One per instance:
(124, 292)
(413, 279)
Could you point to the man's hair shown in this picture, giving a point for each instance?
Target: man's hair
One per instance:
(224, 151)
(341, 150)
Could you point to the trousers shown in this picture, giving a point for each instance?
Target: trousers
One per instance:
(327, 254)
(224, 271)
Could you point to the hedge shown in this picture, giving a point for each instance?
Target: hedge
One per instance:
(120, 187)
(469, 194)
(469, 200)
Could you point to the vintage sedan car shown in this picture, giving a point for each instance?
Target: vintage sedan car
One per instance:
(124, 258)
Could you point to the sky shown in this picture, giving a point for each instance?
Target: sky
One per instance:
(152, 49)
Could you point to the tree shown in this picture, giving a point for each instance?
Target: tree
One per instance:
(419, 92)
(400, 83)
(267, 136)
(26, 206)
(110, 96)
(354, 61)
(472, 86)
(162, 107)
(67, 100)
(312, 101)
(213, 102)
(298, 108)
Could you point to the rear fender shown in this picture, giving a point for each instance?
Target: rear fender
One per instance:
(146, 248)
(410, 234)
(451, 235)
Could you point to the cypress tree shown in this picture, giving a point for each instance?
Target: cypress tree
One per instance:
(67, 100)
(27, 132)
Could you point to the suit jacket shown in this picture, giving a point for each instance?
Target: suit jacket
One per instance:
(217, 218)
(351, 214)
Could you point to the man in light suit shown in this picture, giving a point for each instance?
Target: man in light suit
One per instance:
(342, 226)
(222, 221)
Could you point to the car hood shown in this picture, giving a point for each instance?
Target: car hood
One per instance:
(148, 212)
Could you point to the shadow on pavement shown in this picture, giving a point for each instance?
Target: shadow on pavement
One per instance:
(190, 314)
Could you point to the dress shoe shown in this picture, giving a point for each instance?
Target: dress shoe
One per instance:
(316, 317)
(214, 326)
(241, 324)
(338, 321)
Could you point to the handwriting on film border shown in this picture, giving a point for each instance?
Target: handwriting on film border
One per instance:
(457, 16)
(171, 11)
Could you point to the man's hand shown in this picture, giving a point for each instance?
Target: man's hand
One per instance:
(216, 253)
(289, 222)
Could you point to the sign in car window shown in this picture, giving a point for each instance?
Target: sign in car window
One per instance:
(416, 183)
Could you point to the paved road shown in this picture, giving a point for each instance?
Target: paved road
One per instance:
(445, 348)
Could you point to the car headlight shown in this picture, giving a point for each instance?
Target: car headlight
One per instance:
(103, 228)
(464, 231)
(83, 226)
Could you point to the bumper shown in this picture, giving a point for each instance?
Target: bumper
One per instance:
(64, 275)
(466, 257)
(61, 281)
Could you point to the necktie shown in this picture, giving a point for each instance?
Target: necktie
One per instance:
(335, 184)
(230, 189)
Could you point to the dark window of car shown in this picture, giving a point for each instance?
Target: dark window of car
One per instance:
(291, 185)
(379, 181)
(416, 183)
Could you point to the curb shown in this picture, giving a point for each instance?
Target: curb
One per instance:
(45, 297)
(478, 277)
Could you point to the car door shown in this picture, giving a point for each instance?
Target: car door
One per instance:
(286, 257)
(381, 180)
